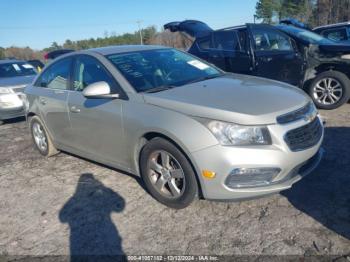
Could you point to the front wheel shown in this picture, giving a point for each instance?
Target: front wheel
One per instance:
(167, 174)
(330, 90)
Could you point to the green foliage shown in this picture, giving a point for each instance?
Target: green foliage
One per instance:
(274, 10)
(2, 53)
(108, 39)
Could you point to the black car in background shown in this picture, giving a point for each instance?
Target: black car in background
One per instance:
(37, 64)
(285, 53)
(337, 32)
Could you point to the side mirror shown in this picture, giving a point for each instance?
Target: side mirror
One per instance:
(99, 90)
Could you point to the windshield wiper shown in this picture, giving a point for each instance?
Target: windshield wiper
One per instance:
(158, 89)
(204, 78)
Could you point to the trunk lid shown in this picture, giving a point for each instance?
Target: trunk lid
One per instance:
(193, 28)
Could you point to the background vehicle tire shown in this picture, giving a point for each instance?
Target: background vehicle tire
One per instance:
(167, 174)
(41, 138)
(330, 90)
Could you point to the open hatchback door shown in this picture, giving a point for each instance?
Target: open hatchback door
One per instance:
(191, 27)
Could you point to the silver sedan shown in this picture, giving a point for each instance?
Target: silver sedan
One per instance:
(187, 128)
(14, 76)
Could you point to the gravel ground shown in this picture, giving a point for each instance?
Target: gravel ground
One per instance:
(66, 205)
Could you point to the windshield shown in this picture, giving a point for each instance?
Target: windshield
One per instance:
(16, 69)
(307, 36)
(167, 68)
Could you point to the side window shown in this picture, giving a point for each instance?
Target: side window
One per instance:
(226, 40)
(204, 43)
(271, 40)
(56, 76)
(338, 34)
(87, 70)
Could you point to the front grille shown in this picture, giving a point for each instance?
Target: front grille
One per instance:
(304, 137)
(308, 110)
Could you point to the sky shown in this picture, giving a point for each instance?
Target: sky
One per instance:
(38, 23)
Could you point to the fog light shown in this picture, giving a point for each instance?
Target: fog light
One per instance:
(251, 177)
(208, 174)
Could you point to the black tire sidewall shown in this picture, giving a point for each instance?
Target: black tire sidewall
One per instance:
(36, 120)
(191, 188)
(342, 79)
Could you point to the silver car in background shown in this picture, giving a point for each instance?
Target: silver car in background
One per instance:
(14, 76)
(188, 129)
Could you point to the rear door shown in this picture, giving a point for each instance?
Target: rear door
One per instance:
(229, 53)
(96, 123)
(53, 95)
(275, 55)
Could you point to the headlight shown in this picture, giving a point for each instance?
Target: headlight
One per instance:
(345, 56)
(4, 90)
(229, 134)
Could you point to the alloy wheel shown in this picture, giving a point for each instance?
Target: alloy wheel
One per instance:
(166, 174)
(328, 91)
(39, 137)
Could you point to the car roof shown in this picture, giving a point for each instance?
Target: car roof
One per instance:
(108, 50)
(6, 61)
(332, 25)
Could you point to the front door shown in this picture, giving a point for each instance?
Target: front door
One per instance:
(96, 123)
(53, 84)
(275, 55)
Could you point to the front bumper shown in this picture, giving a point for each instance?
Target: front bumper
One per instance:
(223, 159)
(14, 106)
(11, 113)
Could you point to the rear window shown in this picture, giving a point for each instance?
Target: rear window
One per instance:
(16, 69)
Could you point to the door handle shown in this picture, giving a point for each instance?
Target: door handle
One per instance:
(74, 109)
(42, 101)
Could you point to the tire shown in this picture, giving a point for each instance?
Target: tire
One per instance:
(326, 87)
(47, 150)
(175, 185)
(1, 122)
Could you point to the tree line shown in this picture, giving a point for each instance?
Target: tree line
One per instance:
(311, 12)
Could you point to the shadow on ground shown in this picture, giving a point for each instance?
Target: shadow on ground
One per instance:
(324, 195)
(88, 213)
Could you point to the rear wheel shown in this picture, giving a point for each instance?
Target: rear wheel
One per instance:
(41, 138)
(330, 90)
(167, 174)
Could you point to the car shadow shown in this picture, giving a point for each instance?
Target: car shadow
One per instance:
(14, 120)
(325, 194)
(137, 178)
(93, 235)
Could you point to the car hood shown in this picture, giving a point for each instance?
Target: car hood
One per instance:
(336, 48)
(233, 98)
(16, 81)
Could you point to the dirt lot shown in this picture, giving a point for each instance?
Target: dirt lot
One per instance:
(65, 204)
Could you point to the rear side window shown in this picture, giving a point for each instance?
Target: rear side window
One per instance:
(56, 76)
(226, 40)
(338, 34)
(87, 70)
(270, 40)
(204, 43)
